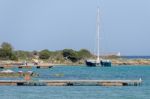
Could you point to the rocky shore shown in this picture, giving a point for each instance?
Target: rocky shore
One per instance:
(131, 61)
(115, 61)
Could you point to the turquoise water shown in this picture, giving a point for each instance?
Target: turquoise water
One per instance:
(83, 92)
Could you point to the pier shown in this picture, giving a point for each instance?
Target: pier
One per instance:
(25, 67)
(71, 83)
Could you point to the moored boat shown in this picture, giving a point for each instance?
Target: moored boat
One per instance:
(94, 63)
(98, 61)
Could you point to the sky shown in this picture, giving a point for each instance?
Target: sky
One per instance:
(59, 24)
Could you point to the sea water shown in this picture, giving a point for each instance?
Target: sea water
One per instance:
(83, 92)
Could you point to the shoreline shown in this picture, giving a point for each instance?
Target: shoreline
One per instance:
(115, 62)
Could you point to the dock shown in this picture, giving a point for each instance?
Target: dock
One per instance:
(71, 83)
(25, 67)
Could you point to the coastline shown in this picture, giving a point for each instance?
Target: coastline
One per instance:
(115, 62)
(131, 62)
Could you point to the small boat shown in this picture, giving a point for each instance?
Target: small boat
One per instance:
(7, 71)
(98, 61)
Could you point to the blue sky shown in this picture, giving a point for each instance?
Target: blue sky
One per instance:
(59, 24)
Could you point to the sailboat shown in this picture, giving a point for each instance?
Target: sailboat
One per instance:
(98, 61)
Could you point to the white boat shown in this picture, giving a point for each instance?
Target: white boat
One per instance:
(7, 71)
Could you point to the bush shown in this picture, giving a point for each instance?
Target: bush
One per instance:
(71, 55)
(44, 54)
(14, 57)
(6, 51)
(83, 53)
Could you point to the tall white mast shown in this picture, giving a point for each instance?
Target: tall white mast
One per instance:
(98, 34)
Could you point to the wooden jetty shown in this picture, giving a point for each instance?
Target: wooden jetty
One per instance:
(71, 83)
(24, 67)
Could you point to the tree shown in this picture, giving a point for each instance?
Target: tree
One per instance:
(35, 52)
(6, 50)
(2, 54)
(44, 54)
(22, 54)
(84, 53)
(70, 54)
(14, 57)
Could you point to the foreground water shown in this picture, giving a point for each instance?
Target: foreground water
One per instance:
(83, 92)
